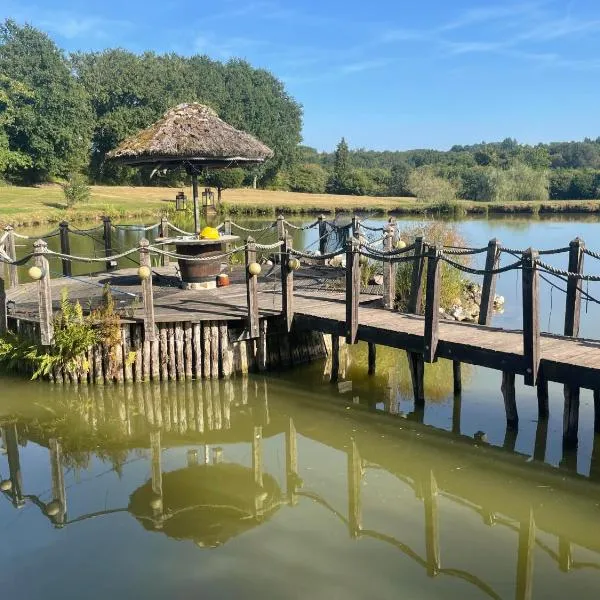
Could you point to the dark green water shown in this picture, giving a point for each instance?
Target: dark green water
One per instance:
(384, 501)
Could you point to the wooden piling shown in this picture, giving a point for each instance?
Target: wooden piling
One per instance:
(531, 317)
(597, 411)
(335, 358)
(163, 231)
(372, 358)
(571, 416)
(457, 376)
(3, 318)
(415, 300)
(126, 342)
(352, 289)
(322, 229)
(65, 247)
(510, 401)
(172, 353)
(44, 294)
(389, 269)
(197, 350)
(251, 290)
(281, 235)
(147, 292)
(164, 352)
(432, 306)
(155, 357)
(488, 289)
(107, 235)
(416, 368)
(214, 350)
(187, 350)
(225, 351)
(179, 351)
(287, 283)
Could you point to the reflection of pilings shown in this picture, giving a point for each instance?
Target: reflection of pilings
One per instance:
(59, 493)
(291, 462)
(354, 482)
(525, 558)
(155, 448)
(14, 464)
(456, 412)
(257, 462)
(432, 535)
(541, 437)
(565, 557)
(416, 367)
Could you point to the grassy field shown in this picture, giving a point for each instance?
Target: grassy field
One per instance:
(46, 204)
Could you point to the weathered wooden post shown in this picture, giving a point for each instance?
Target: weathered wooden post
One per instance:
(355, 226)
(432, 305)
(227, 226)
(252, 271)
(372, 360)
(389, 270)
(335, 358)
(432, 528)
(416, 289)
(510, 401)
(288, 263)
(354, 485)
(457, 377)
(107, 235)
(352, 288)
(163, 231)
(488, 289)
(281, 235)
(40, 249)
(3, 320)
(322, 236)
(531, 317)
(145, 273)
(572, 321)
(9, 248)
(65, 247)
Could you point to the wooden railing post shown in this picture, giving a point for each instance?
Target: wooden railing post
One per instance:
(65, 247)
(147, 292)
(389, 269)
(3, 321)
(355, 227)
(227, 226)
(108, 241)
(352, 288)
(416, 289)
(281, 235)
(488, 290)
(573, 302)
(44, 293)
(287, 282)
(252, 290)
(531, 316)
(322, 236)
(9, 248)
(164, 233)
(432, 305)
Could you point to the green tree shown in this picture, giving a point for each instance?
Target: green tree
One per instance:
(428, 187)
(54, 128)
(399, 180)
(307, 177)
(224, 179)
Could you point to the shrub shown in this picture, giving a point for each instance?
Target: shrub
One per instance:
(428, 187)
(309, 178)
(76, 190)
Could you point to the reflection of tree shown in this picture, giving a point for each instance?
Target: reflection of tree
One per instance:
(392, 370)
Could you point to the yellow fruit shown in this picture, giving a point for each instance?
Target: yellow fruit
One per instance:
(144, 272)
(293, 264)
(254, 268)
(35, 273)
(209, 233)
(400, 244)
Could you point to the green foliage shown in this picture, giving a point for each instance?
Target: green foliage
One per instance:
(452, 282)
(307, 177)
(582, 184)
(76, 190)
(52, 128)
(428, 187)
(399, 177)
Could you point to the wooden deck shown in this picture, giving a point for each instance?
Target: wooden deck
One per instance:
(563, 359)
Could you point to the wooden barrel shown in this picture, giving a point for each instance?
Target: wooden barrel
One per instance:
(199, 271)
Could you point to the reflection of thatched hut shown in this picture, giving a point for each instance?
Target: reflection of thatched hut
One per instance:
(193, 137)
(208, 504)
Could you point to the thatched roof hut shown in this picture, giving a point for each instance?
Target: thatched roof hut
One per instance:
(191, 135)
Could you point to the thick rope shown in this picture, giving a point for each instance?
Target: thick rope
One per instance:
(463, 251)
(554, 271)
(250, 230)
(393, 252)
(363, 226)
(516, 265)
(172, 226)
(317, 256)
(50, 234)
(585, 250)
(292, 226)
(540, 252)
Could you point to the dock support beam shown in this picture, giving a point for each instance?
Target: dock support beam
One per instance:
(488, 290)
(432, 306)
(416, 289)
(352, 288)
(252, 290)
(531, 316)
(510, 402)
(65, 247)
(335, 358)
(457, 376)
(44, 293)
(372, 358)
(416, 367)
(147, 293)
(572, 321)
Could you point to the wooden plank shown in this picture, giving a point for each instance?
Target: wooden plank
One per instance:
(531, 317)
(352, 289)
(432, 306)
(488, 289)
(416, 288)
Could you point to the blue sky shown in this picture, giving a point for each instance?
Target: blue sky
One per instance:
(386, 75)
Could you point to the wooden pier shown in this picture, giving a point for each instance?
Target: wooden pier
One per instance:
(279, 318)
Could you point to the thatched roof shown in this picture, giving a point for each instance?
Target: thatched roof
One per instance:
(192, 134)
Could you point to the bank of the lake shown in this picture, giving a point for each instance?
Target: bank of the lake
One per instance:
(20, 206)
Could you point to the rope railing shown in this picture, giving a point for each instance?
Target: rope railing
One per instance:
(253, 230)
(300, 227)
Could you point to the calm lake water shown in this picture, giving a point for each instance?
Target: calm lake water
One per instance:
(378, 501)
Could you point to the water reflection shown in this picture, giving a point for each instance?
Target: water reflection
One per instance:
(213, 462)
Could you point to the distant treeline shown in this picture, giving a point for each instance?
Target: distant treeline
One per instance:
(499, 171)
(60, 114)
